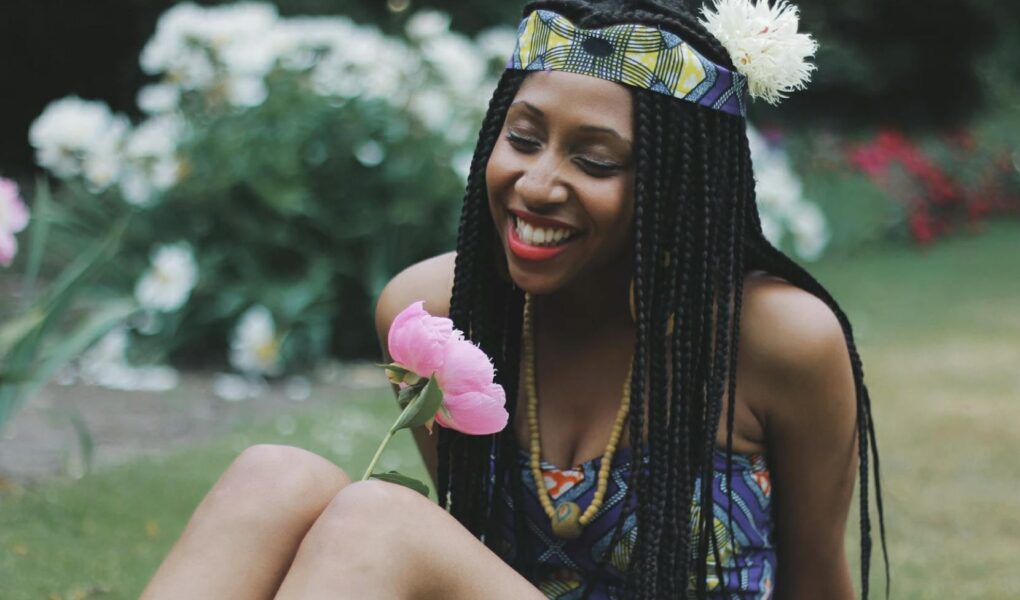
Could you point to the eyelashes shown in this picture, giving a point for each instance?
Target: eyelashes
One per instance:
(593, 167)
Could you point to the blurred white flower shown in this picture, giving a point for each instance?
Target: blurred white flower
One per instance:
(781, 204)
(497, 43)
(191, 41)
(810, 233)
(166, 286)
(255, 347)
(72, 132)
(427, 24)
(433, 108)
(106, 365)
(457, 60)
(246, 91)
(102, 169)
(151, 165)
(234, 388)
(159, 98)
(14, 217)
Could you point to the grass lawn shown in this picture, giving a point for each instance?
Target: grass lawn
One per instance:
(939, 333)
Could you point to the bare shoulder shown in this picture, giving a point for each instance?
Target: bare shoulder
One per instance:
(786, 326)
(792, 340)
(430, 280)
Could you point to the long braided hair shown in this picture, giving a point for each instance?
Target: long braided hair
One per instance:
(695, 204)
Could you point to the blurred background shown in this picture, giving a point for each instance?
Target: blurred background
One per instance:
(200, 202)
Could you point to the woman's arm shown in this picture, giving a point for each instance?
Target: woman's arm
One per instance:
(805, 392)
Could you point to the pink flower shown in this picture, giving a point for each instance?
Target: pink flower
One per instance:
(475, 413)
(417, 340)
(13, 218)
(465, 369)
(427, 346)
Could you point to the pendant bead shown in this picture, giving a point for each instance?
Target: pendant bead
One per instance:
(566, 523)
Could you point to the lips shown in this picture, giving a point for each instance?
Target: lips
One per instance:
(528, 252)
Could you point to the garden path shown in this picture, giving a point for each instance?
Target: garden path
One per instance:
(42, 442)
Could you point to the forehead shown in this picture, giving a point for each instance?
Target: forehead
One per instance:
(575, 99)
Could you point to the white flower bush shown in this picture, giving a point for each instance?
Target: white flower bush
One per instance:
(785, 213)
(276, 154)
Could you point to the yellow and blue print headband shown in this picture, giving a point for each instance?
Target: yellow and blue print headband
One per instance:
(632, 54)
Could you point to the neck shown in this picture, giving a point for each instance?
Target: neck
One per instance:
(596, 303)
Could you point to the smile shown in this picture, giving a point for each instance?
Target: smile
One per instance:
(537, 243)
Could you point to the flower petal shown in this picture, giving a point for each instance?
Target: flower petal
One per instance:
(465, 368)
(475, 413)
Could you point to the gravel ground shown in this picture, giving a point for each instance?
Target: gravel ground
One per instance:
(41, 442)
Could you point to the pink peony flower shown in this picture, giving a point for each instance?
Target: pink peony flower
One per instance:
(465, 369)
(430, 346)
(13, 218)
(476, 412)
(417, 340)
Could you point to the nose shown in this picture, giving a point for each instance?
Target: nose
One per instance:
(540, 184)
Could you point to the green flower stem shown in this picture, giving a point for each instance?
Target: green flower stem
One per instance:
(378, 453)
(382, 446)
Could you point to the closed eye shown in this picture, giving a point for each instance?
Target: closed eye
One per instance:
(520, 141)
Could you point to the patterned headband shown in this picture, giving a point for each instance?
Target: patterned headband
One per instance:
(632, 54)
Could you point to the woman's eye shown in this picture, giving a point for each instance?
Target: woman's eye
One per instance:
(521, 141)
(598, 168)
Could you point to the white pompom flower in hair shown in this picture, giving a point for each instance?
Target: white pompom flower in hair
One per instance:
(764, 44)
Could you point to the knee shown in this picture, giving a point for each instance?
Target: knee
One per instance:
(268, 481)
(383, 513)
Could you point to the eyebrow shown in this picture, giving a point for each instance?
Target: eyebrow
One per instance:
(590, 128)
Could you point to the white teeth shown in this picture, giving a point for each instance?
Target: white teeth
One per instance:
(540, 236)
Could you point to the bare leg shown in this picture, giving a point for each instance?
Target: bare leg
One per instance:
(377, 540)
(243, 536)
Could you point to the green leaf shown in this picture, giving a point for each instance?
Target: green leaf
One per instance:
(406, 395)
(404, 480)
(18, 328)
(80, 339)
(422, 409)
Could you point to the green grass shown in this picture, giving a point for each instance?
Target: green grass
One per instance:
(103, 535)
(939, 333)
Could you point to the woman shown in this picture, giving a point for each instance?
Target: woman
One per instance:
(610, 259)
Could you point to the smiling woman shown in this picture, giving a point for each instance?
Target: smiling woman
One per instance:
(694, 411)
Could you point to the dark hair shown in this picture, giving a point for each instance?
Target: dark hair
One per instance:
(713, 236)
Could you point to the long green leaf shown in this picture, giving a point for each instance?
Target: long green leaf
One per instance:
(94, 327)
(422, 409)
(404, 480)
(17, 329)
(39, 232)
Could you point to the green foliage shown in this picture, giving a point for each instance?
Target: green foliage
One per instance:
(43, 337)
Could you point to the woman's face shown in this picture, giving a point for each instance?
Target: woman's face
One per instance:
(561, 181)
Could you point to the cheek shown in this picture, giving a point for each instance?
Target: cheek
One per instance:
(614, 209)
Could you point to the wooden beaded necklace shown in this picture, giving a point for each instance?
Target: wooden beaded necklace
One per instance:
(567, 519)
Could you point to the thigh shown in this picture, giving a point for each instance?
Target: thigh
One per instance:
(380, 540)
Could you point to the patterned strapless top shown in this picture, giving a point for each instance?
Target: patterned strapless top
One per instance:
(749, 558)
